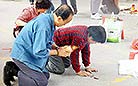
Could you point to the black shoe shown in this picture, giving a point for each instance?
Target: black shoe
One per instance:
(75, 11)
(10, 70)
(31, 3)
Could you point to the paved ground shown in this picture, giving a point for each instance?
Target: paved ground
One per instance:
(104, 57)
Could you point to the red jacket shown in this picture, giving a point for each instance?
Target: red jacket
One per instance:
(78, 36)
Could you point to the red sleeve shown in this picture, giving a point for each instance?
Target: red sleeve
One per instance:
(79, 42)
(25, 15)
(75, 60)
(86, 55)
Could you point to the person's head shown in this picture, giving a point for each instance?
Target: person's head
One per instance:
(63, 15)
(42, 5)
(96, 34)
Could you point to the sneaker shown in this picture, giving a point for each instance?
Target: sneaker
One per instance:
(75, 11)
(96, 16)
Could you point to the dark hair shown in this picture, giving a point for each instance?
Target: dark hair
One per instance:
(64, 11)
(42, 4)
(97, 33)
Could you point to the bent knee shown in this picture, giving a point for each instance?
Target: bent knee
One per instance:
(59, 71)
(67, 65)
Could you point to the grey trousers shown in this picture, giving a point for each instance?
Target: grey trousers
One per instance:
(94, 6)
(57, 64)
(110, 6)
(72, 2)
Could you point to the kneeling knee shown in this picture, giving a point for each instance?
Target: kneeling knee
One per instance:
(67, 65)
(61, 71)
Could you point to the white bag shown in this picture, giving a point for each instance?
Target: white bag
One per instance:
(114, 29)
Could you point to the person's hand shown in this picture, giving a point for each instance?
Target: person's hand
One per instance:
(62, 52)
(90, 70)
(68, 48)
(54, 46)
(83, 73)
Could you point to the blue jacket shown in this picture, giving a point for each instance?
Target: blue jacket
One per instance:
(34, 42)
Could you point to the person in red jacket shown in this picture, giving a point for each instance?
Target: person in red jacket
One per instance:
(76, 39)
(28, 13)
(134, 46)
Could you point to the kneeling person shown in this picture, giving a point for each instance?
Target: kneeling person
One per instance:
(76, 39)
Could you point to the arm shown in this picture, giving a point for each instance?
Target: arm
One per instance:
(54, 46)
(20, 22)
(86, 54)
(53, 52)
(86, 58)
(40, 48)
(79, 44)
(70, 48)
(75, 60)
(61, 51)
(86, 61)
(76, 65)
(41, 44)
(23, 18)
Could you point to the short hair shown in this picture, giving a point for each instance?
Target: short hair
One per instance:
(43, 4)
(64, 11)
(98, 33)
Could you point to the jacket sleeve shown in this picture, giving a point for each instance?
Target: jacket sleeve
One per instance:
(86, 55)
(41, 44)
(79, 42)
(75, 60)
(25, 15)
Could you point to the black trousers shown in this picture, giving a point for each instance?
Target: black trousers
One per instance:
(57, 64)
(31, 0)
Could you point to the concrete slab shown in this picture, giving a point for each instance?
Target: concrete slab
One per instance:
(104, 57)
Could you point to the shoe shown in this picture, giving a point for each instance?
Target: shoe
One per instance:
(31, 3)
(75, 11)
(96, 16)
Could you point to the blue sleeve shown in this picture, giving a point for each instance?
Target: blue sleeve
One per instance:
(41, 44)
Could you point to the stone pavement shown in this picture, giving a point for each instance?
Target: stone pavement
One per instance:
(104, 57)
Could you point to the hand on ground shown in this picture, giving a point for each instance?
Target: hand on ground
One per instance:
(90, 70)
(83, 73)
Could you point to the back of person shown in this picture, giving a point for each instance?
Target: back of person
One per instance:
(29, 13)
(67, 36)
(32, 47)
(28, 10)
(76, 39)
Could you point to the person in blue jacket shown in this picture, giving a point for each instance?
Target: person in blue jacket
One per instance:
(33, 46)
